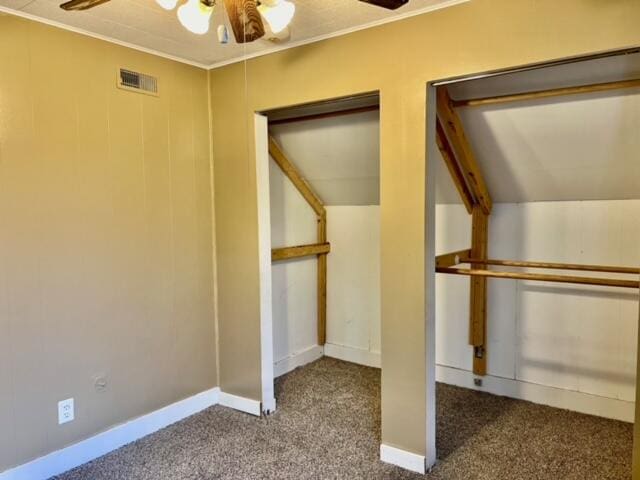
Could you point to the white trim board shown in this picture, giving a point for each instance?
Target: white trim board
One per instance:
(353, 355)
(261, 125)
(297, 359)
(82, 452)
(507, 387)
(242, 58)
(402, 458)
(103, 443)
(242, 404)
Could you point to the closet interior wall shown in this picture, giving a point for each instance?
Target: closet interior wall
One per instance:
(560, 167)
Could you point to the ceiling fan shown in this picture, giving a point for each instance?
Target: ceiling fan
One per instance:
(245, 16)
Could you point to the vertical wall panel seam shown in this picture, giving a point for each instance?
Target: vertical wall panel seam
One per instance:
(174, 326)
(214, 256)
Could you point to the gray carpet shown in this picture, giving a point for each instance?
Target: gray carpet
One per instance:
(327, 427)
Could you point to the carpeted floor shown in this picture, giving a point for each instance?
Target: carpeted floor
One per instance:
(327, 427)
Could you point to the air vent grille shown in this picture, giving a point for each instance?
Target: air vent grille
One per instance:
(137, 82)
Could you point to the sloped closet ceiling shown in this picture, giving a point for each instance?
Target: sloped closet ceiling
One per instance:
(338, 156)
(577, 147)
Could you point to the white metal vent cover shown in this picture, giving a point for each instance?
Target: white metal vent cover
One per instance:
(137, 82)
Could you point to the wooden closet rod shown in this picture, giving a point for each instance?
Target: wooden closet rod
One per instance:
(555, 92)
(556, 266)
(605, 282)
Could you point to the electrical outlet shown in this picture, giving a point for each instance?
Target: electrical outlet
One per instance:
(66, 411)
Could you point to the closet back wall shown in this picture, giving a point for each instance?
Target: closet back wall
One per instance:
(570, 338)
(339, 158)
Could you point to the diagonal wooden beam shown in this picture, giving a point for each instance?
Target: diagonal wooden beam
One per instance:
(292, 173)
(454, 130)
(454, 169)
(318, 207)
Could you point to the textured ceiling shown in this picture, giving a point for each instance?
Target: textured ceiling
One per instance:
(144, 24)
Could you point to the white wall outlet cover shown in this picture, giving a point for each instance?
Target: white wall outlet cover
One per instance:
(66, 411)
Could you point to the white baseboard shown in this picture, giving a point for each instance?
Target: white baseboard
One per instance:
(242, 404)
(353, 355)
(82, 452)
(551, 396)
(296, 360)
(402, 458)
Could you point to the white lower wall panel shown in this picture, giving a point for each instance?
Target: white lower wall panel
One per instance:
(353, 277)
(571, 337)
(542, 394)
(554, 397)
(293, 282)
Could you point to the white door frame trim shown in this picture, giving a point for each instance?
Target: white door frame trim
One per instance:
(264, 255)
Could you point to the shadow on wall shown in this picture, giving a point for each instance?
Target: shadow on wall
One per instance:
(567, 369)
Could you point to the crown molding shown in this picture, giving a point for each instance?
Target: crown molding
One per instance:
(63, 26)
(338, 33)
(214, 65)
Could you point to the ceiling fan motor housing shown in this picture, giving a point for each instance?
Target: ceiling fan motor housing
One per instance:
(390, 4)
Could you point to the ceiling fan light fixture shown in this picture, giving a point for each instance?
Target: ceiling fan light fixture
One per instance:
(167, 4)
(195, 16)
(277, 13)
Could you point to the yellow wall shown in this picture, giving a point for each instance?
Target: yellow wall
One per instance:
(105, 237)
(397, 59)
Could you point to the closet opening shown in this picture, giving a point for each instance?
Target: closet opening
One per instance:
(319, 200)
(537, 257)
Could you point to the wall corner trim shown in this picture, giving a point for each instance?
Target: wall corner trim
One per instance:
(402, 458)
(84, 451)
(236, 402)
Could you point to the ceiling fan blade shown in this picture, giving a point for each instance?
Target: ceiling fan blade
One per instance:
(81, 4)
(390, 4)
(245, 19)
